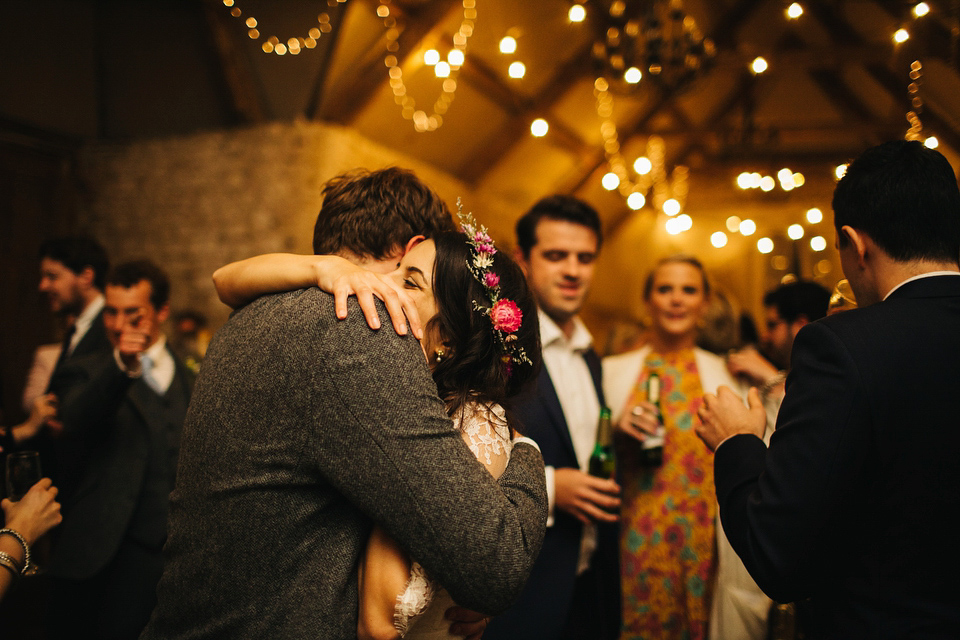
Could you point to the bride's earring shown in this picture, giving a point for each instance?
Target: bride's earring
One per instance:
(439, 354)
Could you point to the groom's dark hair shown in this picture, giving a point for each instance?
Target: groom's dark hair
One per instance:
(372, 213)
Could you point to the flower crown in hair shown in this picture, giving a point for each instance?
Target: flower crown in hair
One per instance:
(504, 314)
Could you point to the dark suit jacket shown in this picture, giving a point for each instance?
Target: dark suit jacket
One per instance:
(95, 340)
(304, 430)
(851, 504)
(122, 440)
(541, 611)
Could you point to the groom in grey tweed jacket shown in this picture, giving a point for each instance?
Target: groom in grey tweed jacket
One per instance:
(303, 432)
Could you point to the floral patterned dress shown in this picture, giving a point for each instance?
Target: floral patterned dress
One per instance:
(667, 544)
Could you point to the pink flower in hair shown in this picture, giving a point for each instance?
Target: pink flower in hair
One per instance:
(506, 316)
(491, 280)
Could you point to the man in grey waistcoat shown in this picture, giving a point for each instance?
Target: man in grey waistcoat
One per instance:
(305, 430)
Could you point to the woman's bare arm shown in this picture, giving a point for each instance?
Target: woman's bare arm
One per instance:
(239, 283)
(384, 573)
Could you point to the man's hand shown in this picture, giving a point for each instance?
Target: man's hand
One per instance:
(748, 363)
(42, 413)
(133, 340)
(343, 279)
(640, 422)
(585, 497)
(465, 622)
(724, 415)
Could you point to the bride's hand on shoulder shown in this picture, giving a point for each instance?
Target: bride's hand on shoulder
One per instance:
(343, 279)
(241, 282)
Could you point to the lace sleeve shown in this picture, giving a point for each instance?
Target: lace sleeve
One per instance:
(486, 432)
(414, 600)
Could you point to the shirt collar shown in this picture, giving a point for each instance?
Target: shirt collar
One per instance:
(550, 333)
(156, 350)
(929, 274)
(86, 318)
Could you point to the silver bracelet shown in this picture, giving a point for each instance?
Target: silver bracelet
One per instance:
(23, 543)
(10, 563)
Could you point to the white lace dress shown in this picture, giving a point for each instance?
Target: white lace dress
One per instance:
(420, 609)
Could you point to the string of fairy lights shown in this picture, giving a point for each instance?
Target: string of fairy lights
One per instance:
(664, 45)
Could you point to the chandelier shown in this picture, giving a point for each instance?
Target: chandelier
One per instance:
(655, 39)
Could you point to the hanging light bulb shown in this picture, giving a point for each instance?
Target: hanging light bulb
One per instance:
(610, 181)
(718, 239)
(539, 128)
(636, 200)
(577, 13)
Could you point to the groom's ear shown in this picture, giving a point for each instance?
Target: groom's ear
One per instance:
(411, 243)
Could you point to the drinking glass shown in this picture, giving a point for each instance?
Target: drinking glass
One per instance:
(842, 298)
(23, 471)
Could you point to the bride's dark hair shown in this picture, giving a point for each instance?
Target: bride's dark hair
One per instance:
(473, 367)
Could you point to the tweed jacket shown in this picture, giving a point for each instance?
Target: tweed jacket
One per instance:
(304, 430)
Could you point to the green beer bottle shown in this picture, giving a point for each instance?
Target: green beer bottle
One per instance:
(602, 460)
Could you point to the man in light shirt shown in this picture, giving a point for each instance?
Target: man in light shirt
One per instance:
(122, 412)
(573, 591)
(848, 508)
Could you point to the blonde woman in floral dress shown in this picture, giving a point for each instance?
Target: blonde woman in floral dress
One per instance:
(669, 538)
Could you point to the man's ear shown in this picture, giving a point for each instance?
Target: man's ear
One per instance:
(521, 260)
(860, 242)
(411, 243)
(87, 277)
(163, 313)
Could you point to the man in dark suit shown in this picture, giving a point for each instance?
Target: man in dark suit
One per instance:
(305, 430)
(72, 274)
(573, 591)
(851, 504)
(122, 413)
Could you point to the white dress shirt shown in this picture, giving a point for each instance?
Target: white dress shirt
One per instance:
(163, 367)
(84, 320)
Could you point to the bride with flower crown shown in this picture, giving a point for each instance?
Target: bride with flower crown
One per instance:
(481, 340)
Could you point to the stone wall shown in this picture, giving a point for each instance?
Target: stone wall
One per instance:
(195, 203)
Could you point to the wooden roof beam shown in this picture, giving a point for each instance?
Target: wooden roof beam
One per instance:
(351, 96)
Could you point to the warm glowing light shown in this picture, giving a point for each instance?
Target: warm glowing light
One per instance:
(539, 127)
(931, 142)
(764, 245)
(685, 221)
(610, 181)
(767, 183)
(636, 201)
(794, 11)
(671, 207)
(795, 232)
(517, 70)
(673, 226)
(814, 215)
(759, 65)
(798, 179)
(632, 75)
(508, 45)
(921, 9)
(718, 239)
(748, 227)
(818, 243)
(840, 171)
(733, 224)
(455, 57)
(577, 13)
(755, 180)
(901, 36)
(280, 49)
(442, 69)
(431, 57)
(642, 165)
(744, 180)
(785, 176)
